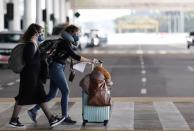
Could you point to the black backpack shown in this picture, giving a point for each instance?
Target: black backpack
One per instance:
(48, 48)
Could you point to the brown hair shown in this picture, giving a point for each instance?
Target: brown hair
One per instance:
(71, 29)
(31, 31)
(103, 71)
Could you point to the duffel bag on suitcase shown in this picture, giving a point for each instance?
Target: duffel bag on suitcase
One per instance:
(95, 114)
(99, 94)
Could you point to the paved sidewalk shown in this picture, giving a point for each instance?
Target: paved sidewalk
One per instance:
(127, 114)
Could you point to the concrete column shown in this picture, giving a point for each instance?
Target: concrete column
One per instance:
(157, 28)
(182, 22)
(27, 13)
(178, 22)
(15, 23)
(67, 8)
(39, 15)
(62, 14)
(73, 17)
(175, 22)
(169, 23)
(56, 11)
(1, 15)
(49, 11)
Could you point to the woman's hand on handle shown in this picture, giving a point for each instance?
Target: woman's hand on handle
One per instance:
(92, 61)
(83, 59)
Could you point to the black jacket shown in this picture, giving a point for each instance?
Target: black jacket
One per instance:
(63, 51)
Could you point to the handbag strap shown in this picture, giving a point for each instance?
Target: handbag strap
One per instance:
(71, 64)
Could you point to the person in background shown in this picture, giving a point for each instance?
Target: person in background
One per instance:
(57, 66)
(31, 89)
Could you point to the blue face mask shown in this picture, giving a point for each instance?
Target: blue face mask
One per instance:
(76, 38)
(40, 38)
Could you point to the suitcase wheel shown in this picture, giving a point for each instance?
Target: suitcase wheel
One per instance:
(105, 122)
(84, 123)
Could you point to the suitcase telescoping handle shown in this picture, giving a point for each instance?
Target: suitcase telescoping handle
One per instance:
(99, 62)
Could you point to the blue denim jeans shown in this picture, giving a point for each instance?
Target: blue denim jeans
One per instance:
(57, 81)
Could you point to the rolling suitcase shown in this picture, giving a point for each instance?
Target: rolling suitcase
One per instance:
(94, 114)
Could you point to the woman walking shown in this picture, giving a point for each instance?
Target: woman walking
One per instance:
(31, 89)
(57, 66)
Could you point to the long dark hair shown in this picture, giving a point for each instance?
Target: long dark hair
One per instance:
(31, 31)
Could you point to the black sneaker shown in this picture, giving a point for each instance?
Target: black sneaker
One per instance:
(55, 120)
(14, 122)
(32, 116)
(69, 120)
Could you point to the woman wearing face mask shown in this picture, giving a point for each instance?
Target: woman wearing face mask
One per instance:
(40, 38)
(31, 90)
(57, 71)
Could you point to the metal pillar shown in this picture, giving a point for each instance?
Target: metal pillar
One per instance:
(1, 15)
(15, 23)
(27, 13)
(56, 5)
(39, 12)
